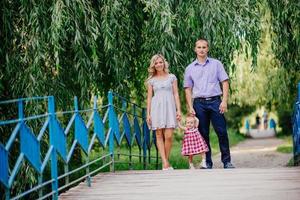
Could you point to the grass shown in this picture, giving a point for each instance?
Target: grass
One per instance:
(287, 147)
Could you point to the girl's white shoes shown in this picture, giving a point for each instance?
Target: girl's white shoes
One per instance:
(203, 164)
(192, 166)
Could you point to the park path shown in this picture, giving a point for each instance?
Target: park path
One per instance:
(257, 153)
(260, 174)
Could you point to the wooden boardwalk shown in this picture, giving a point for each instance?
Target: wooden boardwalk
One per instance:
(215, 184)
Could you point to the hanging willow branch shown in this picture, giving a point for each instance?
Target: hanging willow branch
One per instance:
(67, 48)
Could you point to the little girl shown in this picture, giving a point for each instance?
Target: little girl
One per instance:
(193, 143)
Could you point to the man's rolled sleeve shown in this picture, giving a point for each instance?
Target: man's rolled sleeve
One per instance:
(188, 81)
(222, 75)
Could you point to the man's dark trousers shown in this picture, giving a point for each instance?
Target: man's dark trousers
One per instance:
(208, 110)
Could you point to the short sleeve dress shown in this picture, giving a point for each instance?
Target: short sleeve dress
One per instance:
(163, 107)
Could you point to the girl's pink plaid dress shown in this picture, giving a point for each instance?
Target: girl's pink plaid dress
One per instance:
(193, 143)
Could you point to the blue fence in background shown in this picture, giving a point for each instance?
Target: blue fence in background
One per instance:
(109, 129)
(296, 129)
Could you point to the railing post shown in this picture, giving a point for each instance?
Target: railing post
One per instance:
(144, 138)
(135, 116)
(124, 108)
(154, 137)
(247, 126)
(20, 116)
(40, 181)
(51, 110)
(111, 127)
(298, 92)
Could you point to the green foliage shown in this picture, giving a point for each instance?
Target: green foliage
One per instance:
(285, 121)
(235, 115)
(285, 17)
(66, 48)
(272, 84)
(287, 147)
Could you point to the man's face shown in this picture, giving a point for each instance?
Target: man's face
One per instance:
(201, 48)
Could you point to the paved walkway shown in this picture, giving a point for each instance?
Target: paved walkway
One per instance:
(216, 184)
(257, 153)
(260, 175)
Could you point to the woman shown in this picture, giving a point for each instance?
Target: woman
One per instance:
(163, 106)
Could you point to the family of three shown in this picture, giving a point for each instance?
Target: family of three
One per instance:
(202, 84)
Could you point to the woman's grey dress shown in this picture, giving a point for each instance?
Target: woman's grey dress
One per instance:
(163, 107)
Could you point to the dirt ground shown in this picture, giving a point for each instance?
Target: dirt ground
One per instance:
(256, 153)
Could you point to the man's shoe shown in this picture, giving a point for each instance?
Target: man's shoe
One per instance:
(228, 166)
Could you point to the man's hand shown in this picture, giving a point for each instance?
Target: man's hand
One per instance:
(223, 107)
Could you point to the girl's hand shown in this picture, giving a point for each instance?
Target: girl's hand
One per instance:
(178, 116)
(192, 111)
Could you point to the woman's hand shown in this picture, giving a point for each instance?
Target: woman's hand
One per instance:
(178, 116)
(192, 111)
(148, 120)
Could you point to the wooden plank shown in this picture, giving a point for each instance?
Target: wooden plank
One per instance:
(277, 183)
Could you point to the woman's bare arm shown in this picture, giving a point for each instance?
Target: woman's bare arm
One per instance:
(149, 97)
(177, 100)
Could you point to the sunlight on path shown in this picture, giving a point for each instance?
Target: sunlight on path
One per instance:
(257, 153)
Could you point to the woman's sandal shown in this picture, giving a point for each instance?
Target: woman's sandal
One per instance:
(168, 168)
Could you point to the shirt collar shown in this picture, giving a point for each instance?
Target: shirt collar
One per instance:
(206, 61)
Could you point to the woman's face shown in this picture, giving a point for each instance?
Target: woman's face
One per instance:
(159, 65)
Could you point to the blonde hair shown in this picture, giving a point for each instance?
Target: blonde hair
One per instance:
(151, 68)
(196, 120)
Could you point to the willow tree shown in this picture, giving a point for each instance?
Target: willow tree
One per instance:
(66, 48)
(285, 17)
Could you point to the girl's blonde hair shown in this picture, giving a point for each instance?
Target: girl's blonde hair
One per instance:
(196, 120)
(151, 68)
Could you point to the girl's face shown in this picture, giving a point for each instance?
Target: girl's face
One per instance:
(190, 122)
(159, 65)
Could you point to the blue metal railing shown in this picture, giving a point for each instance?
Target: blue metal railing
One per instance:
(123, 124)
(296, 129)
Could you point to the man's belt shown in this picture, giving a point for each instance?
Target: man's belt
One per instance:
(208, 98)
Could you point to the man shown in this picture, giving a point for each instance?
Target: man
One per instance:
(202, 80)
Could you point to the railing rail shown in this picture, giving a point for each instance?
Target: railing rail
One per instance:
(296, 129)
(109, 129)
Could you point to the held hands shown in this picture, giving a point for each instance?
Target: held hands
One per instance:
(223, 107)
(192, 111)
